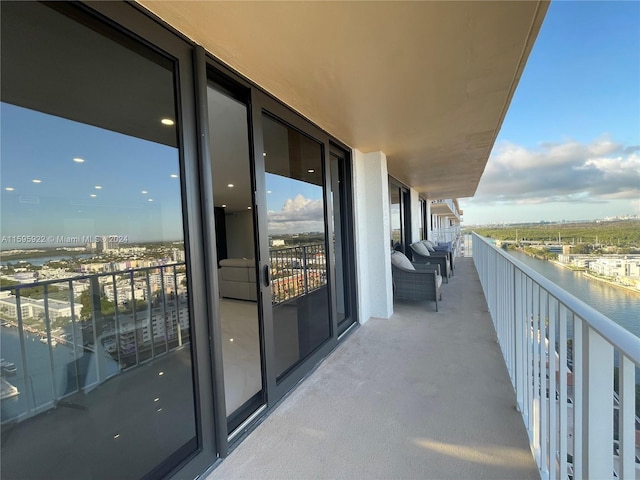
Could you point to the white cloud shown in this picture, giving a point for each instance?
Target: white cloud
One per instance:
(297, 215)
(560, 172)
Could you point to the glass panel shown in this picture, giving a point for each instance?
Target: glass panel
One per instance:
(340, 241)
(297, 240)
(95, 318)
(396, 215)
(230, 159)
(423, 206)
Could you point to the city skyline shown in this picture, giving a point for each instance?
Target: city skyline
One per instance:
(569, 147)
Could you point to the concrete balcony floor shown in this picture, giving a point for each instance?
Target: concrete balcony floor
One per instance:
(422, 395)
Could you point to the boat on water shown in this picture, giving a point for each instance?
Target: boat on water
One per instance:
(53, 341)
(7, 367)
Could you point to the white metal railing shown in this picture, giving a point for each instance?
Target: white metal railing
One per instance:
(450, 234)
(564, 359)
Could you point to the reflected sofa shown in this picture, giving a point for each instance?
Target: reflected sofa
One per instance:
(237, 277)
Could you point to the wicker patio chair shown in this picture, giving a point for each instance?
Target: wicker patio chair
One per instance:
(422, 255)
(415, 281)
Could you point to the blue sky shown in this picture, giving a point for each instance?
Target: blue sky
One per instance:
(569, 147)
(124, 186)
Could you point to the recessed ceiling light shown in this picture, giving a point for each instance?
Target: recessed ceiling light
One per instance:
(311, 170)
(248, 208)
(36, 180)
(98, 187)
(144, 192)
(150, 200)
(93, 195)
(230, 185)
(9, 189)
(173, 175)
(78, 160)
(167, 121)
(264, 154)
(224, 206)
(156, 399)
(116, 435)
(160, 373)
(269, 191)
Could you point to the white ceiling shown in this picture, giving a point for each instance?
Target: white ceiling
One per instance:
(428, 83)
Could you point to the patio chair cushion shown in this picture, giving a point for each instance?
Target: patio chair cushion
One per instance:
(430, 245)
(420, 248)
(400, 260)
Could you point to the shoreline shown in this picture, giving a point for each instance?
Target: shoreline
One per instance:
(594, 277)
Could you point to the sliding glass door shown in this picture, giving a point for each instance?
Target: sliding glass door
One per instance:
(98, 374)
(231, 167)
(297, 237)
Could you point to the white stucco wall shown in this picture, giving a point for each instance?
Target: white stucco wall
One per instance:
(415, 215)
(373, 235)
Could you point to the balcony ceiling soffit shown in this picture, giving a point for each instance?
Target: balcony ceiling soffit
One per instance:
(427, 83)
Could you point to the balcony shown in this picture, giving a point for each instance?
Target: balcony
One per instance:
(421, 395)
(442, 395)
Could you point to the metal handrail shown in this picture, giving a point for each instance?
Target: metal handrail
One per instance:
(618, 336)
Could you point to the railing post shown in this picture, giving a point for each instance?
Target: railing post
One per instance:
(31, 400)
(96, 319)
(304, 269)
(47, 329)
(626, 419)
(519, 342)
(597, 406)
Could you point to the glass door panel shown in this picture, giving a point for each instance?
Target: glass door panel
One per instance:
(96, 323)
(396, 216)
(343, 254)
(297, 243)
(235, 239)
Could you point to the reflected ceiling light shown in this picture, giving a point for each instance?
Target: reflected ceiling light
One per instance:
(36, 180)
(268, 191)
(9, 189)
(98, 187)
(231, 339)
(173, 175)
(150, 200)
(144, 192)
(167, 121)
(93, 195)
(230, 185)
(311, 170)
(78, 160)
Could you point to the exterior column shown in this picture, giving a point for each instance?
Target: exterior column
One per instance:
(415, 215)
(372, 235)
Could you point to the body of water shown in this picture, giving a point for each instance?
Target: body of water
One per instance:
(39, 261)
(620, 305)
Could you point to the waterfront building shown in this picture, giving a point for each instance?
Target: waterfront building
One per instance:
(348, 127)
(615, 266)
(36, 308)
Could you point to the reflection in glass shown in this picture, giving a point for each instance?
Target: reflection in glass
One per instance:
(94, 302)
(297, 239)
(229, 136)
